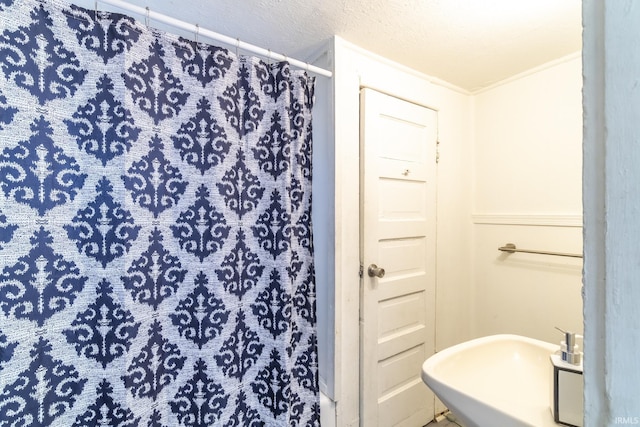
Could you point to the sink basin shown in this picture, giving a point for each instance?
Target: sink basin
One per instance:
(498, 380)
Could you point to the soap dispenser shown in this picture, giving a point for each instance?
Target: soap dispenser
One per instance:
(569, 348)
(567, 382)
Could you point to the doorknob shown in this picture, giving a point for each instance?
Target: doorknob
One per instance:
(375, 271)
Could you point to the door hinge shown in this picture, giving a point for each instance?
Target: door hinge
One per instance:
(437, 151)
(361, 272)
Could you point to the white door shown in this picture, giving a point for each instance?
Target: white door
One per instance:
(398, 224)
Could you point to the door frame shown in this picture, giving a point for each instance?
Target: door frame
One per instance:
(354, 68)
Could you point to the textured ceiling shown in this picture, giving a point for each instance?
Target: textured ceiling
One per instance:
(469, 43)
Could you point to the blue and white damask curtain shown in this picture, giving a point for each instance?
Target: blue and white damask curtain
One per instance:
(155, 228)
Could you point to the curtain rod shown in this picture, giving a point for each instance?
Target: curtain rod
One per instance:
(145, 11)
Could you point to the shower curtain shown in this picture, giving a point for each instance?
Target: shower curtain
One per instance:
(156, 257)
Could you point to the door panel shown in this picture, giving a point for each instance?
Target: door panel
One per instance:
(404, 200)
(397, 313)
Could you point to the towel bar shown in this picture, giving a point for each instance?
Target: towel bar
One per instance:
(511, 248)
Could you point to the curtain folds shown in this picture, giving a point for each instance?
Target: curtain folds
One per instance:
(156, 254)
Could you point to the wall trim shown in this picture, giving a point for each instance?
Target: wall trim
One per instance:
(400, 67)
(549, 220)
(550, 64)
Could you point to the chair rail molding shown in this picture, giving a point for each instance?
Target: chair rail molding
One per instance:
(548, 220)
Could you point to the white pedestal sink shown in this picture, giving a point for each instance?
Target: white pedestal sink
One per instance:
(499, 380)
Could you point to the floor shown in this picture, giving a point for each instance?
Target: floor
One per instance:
(449, 421)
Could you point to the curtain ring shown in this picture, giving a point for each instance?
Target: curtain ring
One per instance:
(269, 58)
(197, 35)
(237, 46)
(146, 18)
(95, 10)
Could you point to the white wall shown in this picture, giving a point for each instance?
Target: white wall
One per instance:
(528, 145)
(355, 68)
(323, 221)
(527, 191)
(611, 206)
